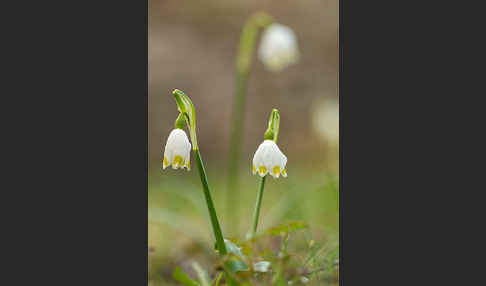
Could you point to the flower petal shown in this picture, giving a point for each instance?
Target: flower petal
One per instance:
(177, 162)
(276, 171)
(165, 163)
(262, 171)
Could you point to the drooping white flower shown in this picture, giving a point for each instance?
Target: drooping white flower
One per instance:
(278, 48)
(177, 150)
(269, 159)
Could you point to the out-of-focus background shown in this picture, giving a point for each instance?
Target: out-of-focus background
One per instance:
(192, 47)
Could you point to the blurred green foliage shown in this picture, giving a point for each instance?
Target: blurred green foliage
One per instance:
(304, 204)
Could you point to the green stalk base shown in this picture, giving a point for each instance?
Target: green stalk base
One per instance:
(212, 211)
(258, 204)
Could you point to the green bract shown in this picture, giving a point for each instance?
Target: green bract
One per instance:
(273, 125)
(185, 106)
(180, 122)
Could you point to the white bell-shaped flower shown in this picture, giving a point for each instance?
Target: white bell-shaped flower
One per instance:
(278, 48)
(269, 159)
(177, 150)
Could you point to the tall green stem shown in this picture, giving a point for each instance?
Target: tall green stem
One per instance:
(212, 212)
(235, 150)
(258, 204)
(270, 134)
(248, 40)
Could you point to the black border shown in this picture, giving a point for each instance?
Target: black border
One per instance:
(77, 80)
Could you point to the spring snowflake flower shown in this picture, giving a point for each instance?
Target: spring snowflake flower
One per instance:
(177, 150)
(278, 48)
(269, 159)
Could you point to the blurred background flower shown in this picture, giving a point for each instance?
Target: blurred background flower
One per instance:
(278, 48)
(325, 119)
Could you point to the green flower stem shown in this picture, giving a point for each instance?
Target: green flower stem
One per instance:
(270, 134)
(235, 150)
(247, 44)
(258, 204)
(212, 212)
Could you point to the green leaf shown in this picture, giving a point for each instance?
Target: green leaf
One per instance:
(287, 228)
(236, 260)
(233, 248)
(183, 278)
